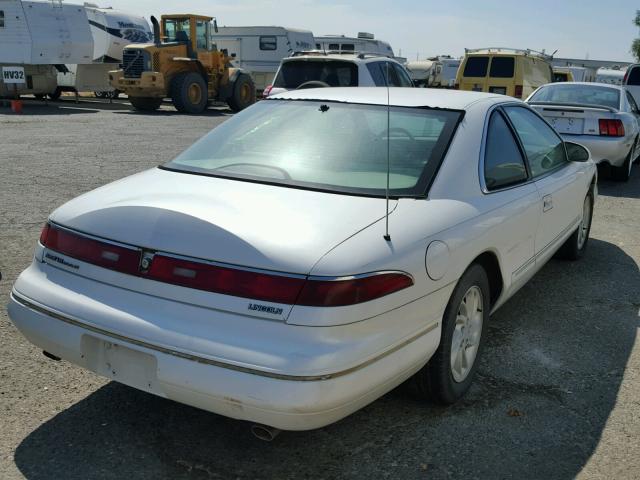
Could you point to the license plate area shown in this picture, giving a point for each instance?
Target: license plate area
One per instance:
(567, 125)
(122, 364)
(498, 90)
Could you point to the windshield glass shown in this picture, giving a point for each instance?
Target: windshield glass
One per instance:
(335, 73)
(331, 146)
(172, 29)
(578, 95)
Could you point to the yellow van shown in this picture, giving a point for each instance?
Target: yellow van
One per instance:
(561, 74)
(503, 70)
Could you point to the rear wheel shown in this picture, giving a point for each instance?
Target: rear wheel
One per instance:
(244, 93)
(449, 373)
(145, 104)
(189, 93)
(623, 172)
(576, 244)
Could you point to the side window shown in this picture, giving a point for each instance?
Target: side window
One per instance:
(634, 76)
(1, 18)
(334, 46)
(544, 148)
(375, 69)
(404, 79)
(632, 103)
(503, 162)
(201, 35)
(348, 47)
(268, 43)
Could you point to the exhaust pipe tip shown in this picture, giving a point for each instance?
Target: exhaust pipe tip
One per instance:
(265, 432)
(51, 356)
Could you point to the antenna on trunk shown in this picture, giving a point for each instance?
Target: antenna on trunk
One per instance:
(387, 237)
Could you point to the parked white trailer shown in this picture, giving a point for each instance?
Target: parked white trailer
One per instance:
(420, 72)
(612, 76)
(112, 31)
(41, 37)
(363, 43)
(44, 33)
(259, 50)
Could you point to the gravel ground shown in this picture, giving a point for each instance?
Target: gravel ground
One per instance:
(557, 396)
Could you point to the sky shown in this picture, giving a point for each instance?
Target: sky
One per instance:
(595, 29)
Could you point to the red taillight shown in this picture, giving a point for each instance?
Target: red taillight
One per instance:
(227, 281)
(611, 127)
(518, 92)
(44, 234)
(275, 288)
(92, 251)
(323, 293)
(267, 91)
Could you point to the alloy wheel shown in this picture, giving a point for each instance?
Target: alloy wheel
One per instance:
(466, 335)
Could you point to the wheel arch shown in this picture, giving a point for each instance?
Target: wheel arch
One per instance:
(489, 261)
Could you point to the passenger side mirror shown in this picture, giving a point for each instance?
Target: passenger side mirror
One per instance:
(577, 153)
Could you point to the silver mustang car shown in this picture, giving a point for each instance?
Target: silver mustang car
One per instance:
(603, 118)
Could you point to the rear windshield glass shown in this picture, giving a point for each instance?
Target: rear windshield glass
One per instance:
(338, 147)
(502, 67)
(578, 95)
(476, 67)
(335, 73)
(634, 76)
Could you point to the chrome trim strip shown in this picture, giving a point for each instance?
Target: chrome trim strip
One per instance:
(216, 363)
(320, 278)
(92, 237)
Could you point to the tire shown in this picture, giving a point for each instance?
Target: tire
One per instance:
(439, 381)
(576, 244)
(189, 93)
(98, 94)
(637, 145)
(244, 93)
(55, 95)
(145, 104)
(623, 173)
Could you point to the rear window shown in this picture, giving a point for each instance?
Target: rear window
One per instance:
(634, 76)
(334, 73)
(268, 43)
(502, 67)
(476, 67)
(346, 151)
(573, 94)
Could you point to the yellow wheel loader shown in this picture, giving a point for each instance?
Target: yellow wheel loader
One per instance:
(184, 65)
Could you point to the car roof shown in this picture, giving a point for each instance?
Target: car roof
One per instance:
(591, 84)
(360, 57)
(404, 97)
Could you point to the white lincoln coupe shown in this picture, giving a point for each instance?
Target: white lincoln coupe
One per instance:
(311, 253)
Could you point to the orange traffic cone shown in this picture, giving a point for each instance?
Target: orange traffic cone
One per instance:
(16, 106)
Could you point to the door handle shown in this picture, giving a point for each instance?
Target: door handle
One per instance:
(547, 203)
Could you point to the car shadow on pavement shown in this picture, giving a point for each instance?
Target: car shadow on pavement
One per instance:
(612, 188)
(548, 381)
(56, 109)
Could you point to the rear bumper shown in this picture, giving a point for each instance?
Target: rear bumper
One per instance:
(613, 151)
(150, 84)
(284, 398)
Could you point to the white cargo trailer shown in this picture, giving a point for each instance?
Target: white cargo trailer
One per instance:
(44, 33)
(259, 50)
(363, 43)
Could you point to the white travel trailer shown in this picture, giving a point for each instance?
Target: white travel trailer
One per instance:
(39, 36)
(364, 43)
(111, 31)
(437, 72)
(613, 76)
(259, 50)
(420, 72)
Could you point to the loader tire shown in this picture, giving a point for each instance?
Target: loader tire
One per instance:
(145, 104)
(244, 93)
(189, 93)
